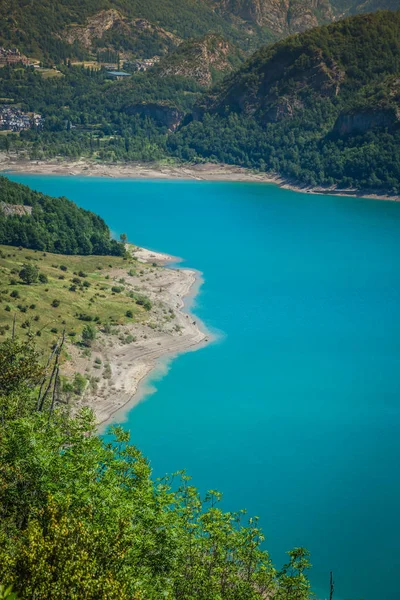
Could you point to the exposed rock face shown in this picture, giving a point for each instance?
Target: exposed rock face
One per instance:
(167, 116)
(360, 122)
(95, 28)
(19, 210)
(281, 16)
(197, 59)
(112, 19)
(280, 86)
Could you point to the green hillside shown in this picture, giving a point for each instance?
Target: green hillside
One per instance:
(33, 220)
(321, 107)
(40, 28)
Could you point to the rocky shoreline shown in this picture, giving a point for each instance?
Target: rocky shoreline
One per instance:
(84, 167)
(129, 363)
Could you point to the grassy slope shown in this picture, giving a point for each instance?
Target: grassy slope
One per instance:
(97, 301)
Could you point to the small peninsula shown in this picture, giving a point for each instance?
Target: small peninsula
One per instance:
(118, 314)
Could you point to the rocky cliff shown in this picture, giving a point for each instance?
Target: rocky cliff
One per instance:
(281, 16)
(202, 60)
(110, 28)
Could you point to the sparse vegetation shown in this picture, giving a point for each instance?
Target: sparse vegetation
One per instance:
(72, 301)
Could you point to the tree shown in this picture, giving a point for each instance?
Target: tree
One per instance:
(81, 517)
(88, 335)
(29, 274)
(123, 237)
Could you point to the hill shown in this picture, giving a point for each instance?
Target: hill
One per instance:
(321, 107)
(33, 220)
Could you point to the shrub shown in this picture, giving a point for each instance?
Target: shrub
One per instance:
(129, 314)
(79, 384)
(15, 294)
(88, 335)
(145, 302)
(85, 317)
(63, 268)
(82, 274)
(55, 303)
(43, 278)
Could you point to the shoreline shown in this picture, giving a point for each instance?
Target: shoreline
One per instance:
(132, 364)
(84, 167)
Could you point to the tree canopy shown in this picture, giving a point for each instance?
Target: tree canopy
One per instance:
(53, 224)
(82, 517)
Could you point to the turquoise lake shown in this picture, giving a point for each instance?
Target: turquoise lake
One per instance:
(294, 412)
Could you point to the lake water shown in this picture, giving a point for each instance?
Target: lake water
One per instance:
(294, 412)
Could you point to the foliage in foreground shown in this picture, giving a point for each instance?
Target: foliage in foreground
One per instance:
(83, 518)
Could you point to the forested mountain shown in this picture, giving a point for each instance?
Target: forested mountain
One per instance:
(69, 28)
(322, 107)
(33, 220)
(55, 31)
(319, 107)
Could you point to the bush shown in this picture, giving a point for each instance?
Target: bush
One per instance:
(79, 384)
(88, 335)
(43, 278)
(15, 294)
(85, 317)
(63, 268)
(145, 302)
(55, 303)
(129, 314)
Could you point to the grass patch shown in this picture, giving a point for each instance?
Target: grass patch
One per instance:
(44, 310)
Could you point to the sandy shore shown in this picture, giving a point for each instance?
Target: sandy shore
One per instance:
(197, 172)
(168, 330)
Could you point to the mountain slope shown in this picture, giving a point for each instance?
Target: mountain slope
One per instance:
(323, 107)
(77, 29)
(50, 30)
(281, 16)
(205, 60)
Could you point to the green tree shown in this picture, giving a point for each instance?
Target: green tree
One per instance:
(81, 517)
(29, 273)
